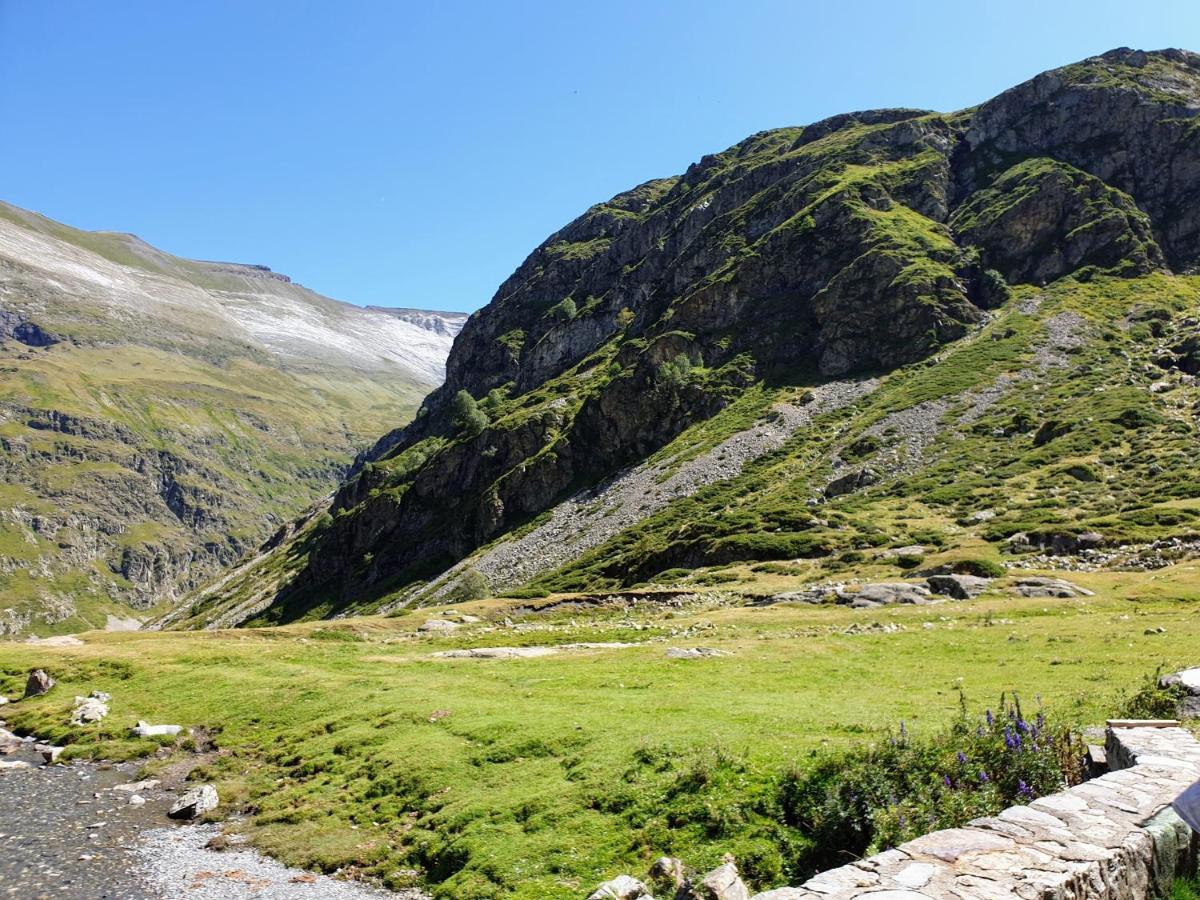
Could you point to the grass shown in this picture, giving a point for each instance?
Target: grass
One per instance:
(350, 746)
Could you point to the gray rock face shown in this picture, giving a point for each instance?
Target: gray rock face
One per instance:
(195, 803)
(960, 587)
(39, 683)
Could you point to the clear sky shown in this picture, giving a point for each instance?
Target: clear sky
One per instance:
(412, 154)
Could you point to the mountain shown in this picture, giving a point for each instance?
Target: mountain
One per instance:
(888, 339)
(160, 416)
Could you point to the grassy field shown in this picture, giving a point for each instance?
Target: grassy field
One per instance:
(351, 746)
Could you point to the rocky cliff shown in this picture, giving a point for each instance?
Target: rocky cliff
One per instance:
(159, 416)
(814, 299)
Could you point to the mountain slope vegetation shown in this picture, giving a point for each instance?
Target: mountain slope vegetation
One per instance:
(888, 328)
(159, 416)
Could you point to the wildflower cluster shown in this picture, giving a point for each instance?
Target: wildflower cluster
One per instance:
(868, 800)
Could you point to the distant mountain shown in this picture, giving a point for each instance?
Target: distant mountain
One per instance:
(889, 339)
(159, 416)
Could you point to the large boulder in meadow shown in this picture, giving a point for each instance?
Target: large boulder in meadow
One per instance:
(38, 683)
(960, 587)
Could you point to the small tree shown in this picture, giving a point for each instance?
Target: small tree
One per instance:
(565, 311)
(472, 585)
(674, 373)
(468, 417)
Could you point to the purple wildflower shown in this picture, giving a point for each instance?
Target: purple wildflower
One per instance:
(962, 758)
(983, 777)
(1024, 790)
(991, 720)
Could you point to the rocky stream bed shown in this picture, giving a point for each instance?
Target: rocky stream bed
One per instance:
(73, 832)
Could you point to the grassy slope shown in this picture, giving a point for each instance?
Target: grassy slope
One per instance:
(254, 438)
(205, 413)
(546, 775)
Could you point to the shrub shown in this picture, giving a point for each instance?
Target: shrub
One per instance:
(867, 800)
(984, 568)
(674, 372)
(472, 585)
(468, 417)
(1152, 700)
(909, 560)
(565, 310)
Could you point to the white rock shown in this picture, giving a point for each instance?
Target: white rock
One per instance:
(195, 803)
(137, 800)
(144, 729)
(88, 710)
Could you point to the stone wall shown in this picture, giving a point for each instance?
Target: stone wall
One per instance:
(1111, 838)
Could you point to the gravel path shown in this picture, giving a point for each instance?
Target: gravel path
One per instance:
(66, 834)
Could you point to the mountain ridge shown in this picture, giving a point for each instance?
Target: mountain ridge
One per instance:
(688, 310)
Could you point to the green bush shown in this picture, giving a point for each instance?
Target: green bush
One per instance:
(471, 586)
(867, 800)
(1152, 701)
(468, 417)
(983, 568)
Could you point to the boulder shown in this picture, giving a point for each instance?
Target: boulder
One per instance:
(144, 729)
(88, 710)
(9, 765)
(869, 596)
(722, 883)
(623, 887)
(438, 625)
(3, 700)
(668, 868)
(39, 683)
(1188, 681)
(49, 752)
(1039, 586)
(960, 587)
(195, 803)
(9, 742)
(852, 481)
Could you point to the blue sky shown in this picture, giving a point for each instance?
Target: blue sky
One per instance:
(412, 154)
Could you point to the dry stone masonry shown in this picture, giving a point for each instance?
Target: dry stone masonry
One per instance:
(1111, 838)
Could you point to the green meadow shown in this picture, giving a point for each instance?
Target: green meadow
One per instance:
(348, 745)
